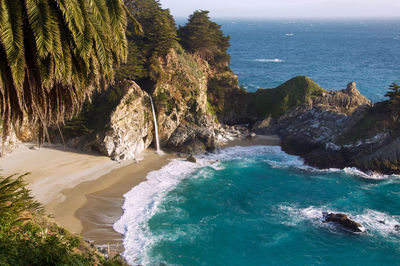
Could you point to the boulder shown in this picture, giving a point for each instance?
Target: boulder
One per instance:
(343, 220)
(191, 159)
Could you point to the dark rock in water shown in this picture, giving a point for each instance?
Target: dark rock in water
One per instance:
(343, 220)
(191, 159)
(397, 227)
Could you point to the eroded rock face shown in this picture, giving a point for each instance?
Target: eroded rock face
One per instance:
(185, 123)
(180, 95)
(9, 144)
(191, 138)
(312, 131)
(17, 136)
(319, 121)
(131, 126)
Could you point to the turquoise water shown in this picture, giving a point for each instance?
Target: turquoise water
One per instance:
(260, 206)
(267, 53)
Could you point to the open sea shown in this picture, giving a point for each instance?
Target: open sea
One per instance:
(258, 205)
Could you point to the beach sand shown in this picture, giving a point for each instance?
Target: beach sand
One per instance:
(104, 198)
(84, 192)
(103, 208)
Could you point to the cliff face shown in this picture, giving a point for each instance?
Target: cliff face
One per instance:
(181, 93)
(9, 143)
(130, 130)
(185, 118)
(17, 136)
(338, 129)
(119, 123)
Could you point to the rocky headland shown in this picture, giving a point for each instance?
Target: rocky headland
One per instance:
(338, 129)
(328, 129)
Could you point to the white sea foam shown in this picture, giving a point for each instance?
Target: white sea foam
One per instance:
(143, 201)
(275, 60)
(351, 171)
(373, 222)
(289, 34)
(375, 176)
(378, 222)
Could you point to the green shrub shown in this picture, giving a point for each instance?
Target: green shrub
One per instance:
(28, 238)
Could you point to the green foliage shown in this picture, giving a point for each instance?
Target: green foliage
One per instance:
(368, 126)
(159, 36)
(135, 67)
(275, 102)
(382, 117)
(202, 36)
(54, 53)
(95, 115)
(28, 239)
(222, 92)
(164, 100)
(394, 97)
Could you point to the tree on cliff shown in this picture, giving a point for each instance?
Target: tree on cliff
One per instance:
(202, 36)
(53, 53)
(159, 36)
(394, 97)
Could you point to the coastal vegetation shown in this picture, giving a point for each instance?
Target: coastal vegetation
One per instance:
(27, 237)
(53, 54)
(381, 118)
(275, 102)
(204, 37)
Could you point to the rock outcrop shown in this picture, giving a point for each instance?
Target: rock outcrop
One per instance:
(339, 129)
(118, 123)
(16, 137)
(342, 220)
(130, 128)
(9, 143)
(180, 95)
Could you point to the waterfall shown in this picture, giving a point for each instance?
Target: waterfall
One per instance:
(155, 126)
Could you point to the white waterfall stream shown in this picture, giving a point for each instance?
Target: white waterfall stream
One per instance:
(155, 126)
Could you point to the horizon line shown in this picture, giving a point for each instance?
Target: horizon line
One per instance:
(302, 18)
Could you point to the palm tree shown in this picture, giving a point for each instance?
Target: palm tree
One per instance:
(54, 53)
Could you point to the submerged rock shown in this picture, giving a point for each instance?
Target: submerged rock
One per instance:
(343, 220)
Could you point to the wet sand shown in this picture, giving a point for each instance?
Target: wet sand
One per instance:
(102, 206)
(84, 192)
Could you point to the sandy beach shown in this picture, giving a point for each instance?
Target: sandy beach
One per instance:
(84, 192)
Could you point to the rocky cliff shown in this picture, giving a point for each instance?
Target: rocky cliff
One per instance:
(338, 129)
(118, 122)
(183, 111)
(16, 137)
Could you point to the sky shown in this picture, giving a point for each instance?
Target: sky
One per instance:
(286, 8)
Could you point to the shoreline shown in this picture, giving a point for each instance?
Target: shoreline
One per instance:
(98, 227)
(84, 192)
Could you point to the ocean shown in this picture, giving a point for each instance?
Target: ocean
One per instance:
(265, 54)
(258, 205)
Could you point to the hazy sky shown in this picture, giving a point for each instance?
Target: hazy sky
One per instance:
(286, 8)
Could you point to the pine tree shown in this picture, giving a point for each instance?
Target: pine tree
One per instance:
(394, 97)
(202, 36)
